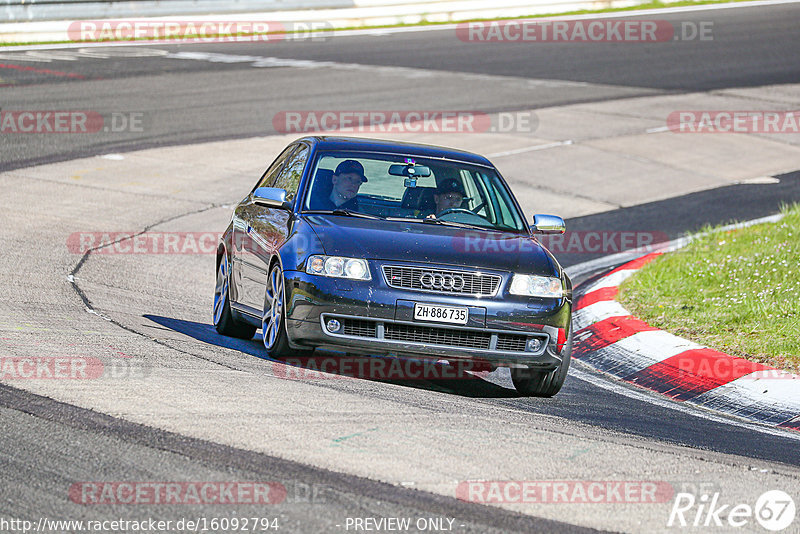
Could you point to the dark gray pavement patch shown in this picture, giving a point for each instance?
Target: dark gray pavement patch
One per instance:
(54, 445)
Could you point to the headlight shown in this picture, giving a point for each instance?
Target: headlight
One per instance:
(338, 267)
(536, 286)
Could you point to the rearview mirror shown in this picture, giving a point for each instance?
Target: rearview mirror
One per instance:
(548, 224)
(271, 197)
(409, 171)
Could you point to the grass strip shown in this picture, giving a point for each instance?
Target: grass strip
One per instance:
(736, 291)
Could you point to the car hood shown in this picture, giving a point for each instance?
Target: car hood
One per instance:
(431, 243)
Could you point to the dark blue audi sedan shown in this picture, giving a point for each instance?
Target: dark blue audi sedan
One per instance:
(393, 249)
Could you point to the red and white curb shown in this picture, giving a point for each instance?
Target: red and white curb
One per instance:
(610, 339)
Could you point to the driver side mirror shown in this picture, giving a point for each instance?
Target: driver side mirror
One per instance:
(271, 197)
(548, 224)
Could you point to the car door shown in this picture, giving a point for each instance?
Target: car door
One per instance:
(240, 255)
(267, 228)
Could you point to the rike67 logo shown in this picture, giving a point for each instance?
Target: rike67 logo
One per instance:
(774, 510)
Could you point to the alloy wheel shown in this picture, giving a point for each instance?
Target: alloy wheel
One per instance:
(273, 308)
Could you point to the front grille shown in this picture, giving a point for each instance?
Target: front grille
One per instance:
(381, 330)
(437, 336)
(511, 342)
(412, 278)
(358, 327)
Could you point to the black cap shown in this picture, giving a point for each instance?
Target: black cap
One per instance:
(351, 166)
(449, 185)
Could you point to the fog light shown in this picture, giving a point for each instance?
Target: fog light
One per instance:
(534, 344)
(333, 325)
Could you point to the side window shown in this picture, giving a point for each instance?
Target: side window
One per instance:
(500, 198)
(269, 176)
(470, 189)
(505, 214)
(476, 190)
(289, 177)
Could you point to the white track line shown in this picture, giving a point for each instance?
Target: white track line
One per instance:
(530, 149)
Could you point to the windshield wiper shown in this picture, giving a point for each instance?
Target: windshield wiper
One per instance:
(476, 226)
(432, 220)
(345, 212)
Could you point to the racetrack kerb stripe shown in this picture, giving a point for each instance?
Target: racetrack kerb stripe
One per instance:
(607, 332)
(687, 374)
(794, 424)
(693, 372)
(638, 263)
(602, 294)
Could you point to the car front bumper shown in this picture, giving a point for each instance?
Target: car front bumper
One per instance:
(377, 319)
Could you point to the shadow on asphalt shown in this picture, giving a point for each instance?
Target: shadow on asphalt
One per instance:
(439, 377)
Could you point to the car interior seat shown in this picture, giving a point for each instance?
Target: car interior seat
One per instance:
(321, 187)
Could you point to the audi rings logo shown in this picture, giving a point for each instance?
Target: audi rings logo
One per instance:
(449, 282)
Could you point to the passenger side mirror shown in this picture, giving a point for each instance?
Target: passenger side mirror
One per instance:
(548, 224)
(271, 197)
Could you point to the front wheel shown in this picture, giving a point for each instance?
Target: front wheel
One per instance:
(532, 383)
(223, 318)
(273, 327)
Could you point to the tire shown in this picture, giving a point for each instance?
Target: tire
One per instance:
(532, 383)
(221, 313)
(273, 318)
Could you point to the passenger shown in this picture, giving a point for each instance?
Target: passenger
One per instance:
(346, 180)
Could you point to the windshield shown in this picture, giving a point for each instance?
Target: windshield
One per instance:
(397, 186)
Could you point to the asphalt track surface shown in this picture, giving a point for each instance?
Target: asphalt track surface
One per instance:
(190, 101)
(201, 100)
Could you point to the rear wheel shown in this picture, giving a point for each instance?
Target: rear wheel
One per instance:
(223, 318)
(533, 383)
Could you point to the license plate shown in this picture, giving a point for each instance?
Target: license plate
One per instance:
(440, 314)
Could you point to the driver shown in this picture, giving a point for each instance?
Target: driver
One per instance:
(449, 194)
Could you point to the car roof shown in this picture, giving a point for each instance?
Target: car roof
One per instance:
(360, 144)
